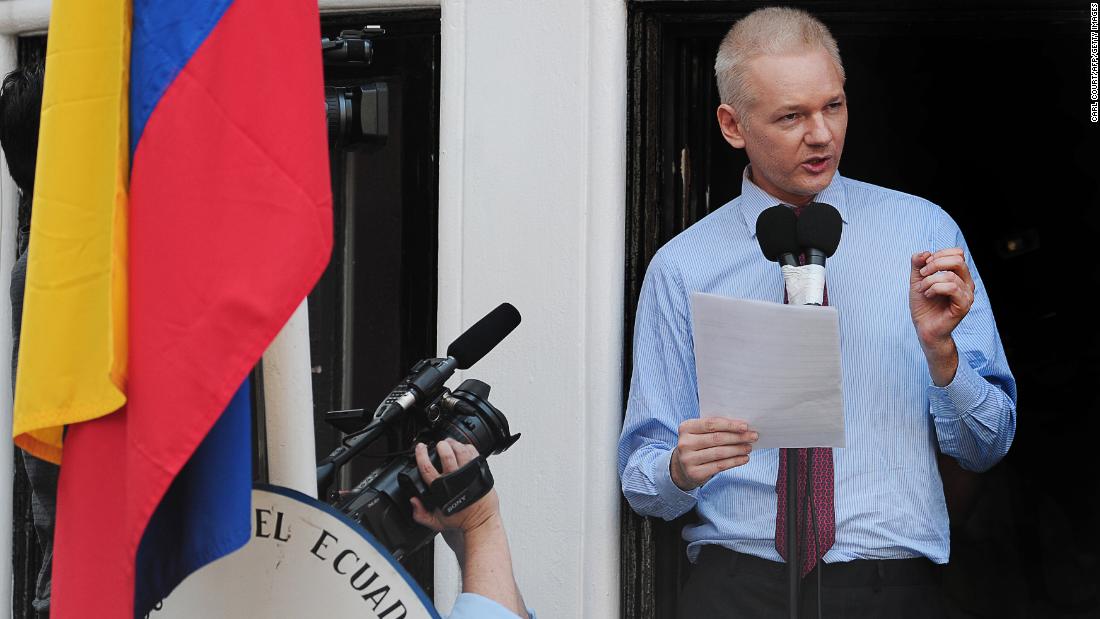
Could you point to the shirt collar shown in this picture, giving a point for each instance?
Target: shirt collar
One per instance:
(755, 200)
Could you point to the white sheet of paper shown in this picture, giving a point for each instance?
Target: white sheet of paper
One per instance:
(775, 366)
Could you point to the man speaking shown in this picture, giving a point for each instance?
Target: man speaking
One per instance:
(922, 364)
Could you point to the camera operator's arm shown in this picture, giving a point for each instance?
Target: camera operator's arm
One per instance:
(476, 533)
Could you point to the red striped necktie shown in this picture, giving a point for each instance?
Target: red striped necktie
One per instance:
(815, 541)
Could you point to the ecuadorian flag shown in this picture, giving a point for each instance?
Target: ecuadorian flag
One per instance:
(182, 211)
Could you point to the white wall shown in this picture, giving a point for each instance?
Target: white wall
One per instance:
(532, 203)
(24, 16)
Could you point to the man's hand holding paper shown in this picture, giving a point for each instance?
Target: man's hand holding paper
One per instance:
(706, 447)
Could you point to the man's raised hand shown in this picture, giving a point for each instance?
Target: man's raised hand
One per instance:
(941, 292)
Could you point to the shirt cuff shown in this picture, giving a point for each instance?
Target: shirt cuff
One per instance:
(474, 606)
(965, 392)
(671, 495)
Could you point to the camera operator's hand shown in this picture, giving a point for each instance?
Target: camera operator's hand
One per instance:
(453, 455)
(475, 533)
(707, 447)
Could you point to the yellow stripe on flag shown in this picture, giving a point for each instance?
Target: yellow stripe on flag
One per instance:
(72, 355)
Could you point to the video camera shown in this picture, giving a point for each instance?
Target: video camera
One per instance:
(380, 502)
(355, 113)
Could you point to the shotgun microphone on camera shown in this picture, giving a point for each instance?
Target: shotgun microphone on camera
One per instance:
(465, 351)
(426, 381)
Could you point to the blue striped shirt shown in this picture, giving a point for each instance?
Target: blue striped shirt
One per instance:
(889, 498)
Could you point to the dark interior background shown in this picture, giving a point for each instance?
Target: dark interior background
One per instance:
(983, 108)
(373, 313)
(26, 553)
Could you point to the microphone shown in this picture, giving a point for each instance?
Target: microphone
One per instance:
(818, 230)
(428, 377)
(424, 383)
(486, 333)
(776, 231)
(783, 236)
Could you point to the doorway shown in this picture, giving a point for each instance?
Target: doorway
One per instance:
(983, 109)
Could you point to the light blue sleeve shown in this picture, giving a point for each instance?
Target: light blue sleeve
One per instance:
(663, 394)
(975, 415)
(474, 606)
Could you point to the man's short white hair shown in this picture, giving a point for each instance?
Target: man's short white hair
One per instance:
(767, 31)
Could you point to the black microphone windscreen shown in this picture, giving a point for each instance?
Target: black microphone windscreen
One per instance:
(775, 231)
(819, 227)
(486, 333)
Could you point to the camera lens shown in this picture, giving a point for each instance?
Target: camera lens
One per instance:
(339, 112)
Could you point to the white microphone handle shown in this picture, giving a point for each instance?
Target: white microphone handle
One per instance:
(805, 284)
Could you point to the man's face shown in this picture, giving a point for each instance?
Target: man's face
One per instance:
(793, 130)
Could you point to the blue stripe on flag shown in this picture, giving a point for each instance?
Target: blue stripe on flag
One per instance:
(166, 34)
(205, 513)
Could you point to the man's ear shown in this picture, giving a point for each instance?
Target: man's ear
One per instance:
(730, 122)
